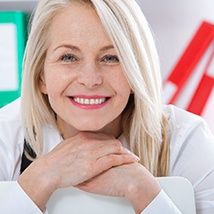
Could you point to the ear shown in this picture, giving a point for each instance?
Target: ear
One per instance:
(42, 84)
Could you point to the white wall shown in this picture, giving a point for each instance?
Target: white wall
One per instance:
(174, 23)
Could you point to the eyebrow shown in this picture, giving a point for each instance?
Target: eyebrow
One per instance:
(75, 48)
(105, 48)
(72, 47)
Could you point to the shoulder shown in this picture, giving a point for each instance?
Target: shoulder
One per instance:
(10, 125)
(182, 123)
(10, 110)
(191, 141)
(188, 135)
(184, 126)
(178, 117)
(11, 140)
(10, 117)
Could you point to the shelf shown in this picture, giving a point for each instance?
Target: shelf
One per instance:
(25, 5)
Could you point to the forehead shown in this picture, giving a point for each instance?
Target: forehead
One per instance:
(75, 22)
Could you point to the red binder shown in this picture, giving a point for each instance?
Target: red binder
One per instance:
(184, 68)
(204, 89)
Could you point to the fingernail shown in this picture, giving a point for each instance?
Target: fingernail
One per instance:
(137, 158)
(131, 153)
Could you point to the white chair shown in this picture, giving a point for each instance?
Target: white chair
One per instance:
(72, 200)
(181, 192)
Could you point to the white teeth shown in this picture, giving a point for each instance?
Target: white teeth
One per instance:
(89, 101)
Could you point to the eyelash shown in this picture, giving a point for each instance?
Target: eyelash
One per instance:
(108, 57)
(68, 58)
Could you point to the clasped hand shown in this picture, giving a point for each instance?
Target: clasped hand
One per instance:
(96, 163)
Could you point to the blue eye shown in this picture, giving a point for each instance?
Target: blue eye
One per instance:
(111, 59)
(68, 58)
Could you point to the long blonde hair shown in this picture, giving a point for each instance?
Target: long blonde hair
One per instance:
(143, 121)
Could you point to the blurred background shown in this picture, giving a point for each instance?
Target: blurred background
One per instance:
(174, 24)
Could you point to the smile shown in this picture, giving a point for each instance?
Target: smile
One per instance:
(87, 101)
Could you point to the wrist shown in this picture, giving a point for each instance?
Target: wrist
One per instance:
(36, 184)
(142, 194)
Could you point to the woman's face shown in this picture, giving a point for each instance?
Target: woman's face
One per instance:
(82, 75)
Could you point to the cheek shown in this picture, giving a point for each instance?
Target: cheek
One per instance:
(123, 92)
(122, 86)
(51, 81)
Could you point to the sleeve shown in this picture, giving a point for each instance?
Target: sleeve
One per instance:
(161, 204)
(15, 200)
(202, 176)
(6, 161)
(192, 157)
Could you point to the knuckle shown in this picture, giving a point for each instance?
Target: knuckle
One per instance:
(90, 167)
(82, 136)
(118, 145)
(112, 160)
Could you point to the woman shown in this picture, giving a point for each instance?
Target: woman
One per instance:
(92, 116)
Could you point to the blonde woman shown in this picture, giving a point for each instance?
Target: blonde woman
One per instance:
(91, 114)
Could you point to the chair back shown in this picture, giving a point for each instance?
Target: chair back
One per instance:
(72, 200)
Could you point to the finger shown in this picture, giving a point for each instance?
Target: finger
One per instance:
(112, 160)
(107, 147)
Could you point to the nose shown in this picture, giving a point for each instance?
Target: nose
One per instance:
(90, 75)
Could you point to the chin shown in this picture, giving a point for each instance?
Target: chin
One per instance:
(92, 130)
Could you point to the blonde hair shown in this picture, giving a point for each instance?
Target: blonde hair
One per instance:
(143, 121)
